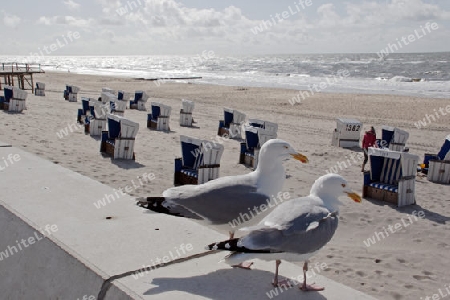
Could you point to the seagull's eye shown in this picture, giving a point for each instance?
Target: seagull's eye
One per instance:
(343, 185)
(286, 147)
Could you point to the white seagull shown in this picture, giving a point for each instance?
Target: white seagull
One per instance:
(294, 230)
(221, 203)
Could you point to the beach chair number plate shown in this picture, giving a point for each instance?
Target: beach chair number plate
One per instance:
(351, 127)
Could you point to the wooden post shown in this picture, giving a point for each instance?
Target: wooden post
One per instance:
(32, 84)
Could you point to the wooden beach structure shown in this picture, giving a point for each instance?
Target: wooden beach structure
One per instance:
(20, 74)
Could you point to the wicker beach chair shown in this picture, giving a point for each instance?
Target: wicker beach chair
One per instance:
(71, 93)
(393, 138)
(140, 99)
(437, 166)
(392, 176)
(97, 118)
(200, 161)
(255, 138)
(40, 89)
(84, 112)
(14, 99)
(160, 117)
(231, 125)
(186, 113)
(118, 141)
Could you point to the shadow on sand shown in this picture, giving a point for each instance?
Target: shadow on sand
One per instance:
(410, 209)
(126, 163)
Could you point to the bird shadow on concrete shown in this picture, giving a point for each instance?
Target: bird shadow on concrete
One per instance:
(231, 284)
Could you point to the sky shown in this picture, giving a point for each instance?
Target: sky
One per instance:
(228, 27)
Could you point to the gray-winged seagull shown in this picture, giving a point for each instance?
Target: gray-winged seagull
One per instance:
(219, 203)
(294, 230)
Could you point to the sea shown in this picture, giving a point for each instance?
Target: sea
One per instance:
(411, 74)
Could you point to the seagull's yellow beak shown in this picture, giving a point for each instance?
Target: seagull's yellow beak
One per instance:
(354, 196)
(300, 157)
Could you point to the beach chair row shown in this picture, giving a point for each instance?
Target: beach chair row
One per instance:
(159, 117)
(392, 171)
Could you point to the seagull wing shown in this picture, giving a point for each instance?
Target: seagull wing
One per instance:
(299, 226)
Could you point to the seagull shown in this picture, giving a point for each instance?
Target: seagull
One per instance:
(227, 203)
(295, 230)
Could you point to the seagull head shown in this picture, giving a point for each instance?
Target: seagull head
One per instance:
(275, 149)
(330, 187)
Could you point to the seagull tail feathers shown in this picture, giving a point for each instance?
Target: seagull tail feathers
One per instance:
(228, 245)
(156, 204)
(234, 246)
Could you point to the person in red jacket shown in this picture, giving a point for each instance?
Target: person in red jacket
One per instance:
(369, 140)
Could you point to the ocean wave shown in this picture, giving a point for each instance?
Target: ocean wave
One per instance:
(366, 73)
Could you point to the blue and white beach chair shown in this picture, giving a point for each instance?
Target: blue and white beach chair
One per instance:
(140, 98)
(437, 166)
(392, 176)
(14, 99)
(160, 117)
(107, 97)
(118, 107)
(40, 89)
(186, 113)
(122, 95)
(393, 138)
(84, 112)
(231, 125)
(97, 119)
(255, 137)
(118, 141)
(200, 161)
(71, 93)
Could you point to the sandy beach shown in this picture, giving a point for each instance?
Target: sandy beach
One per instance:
(408, 264)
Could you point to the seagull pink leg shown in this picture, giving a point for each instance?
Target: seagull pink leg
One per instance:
(275, 281)
(309, 288)
(246, 265)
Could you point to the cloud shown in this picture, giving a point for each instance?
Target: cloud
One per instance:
(110, 6)
(163, 26)
(329, 18)
(370, 13)
(10, 20)
(110, 21)
(71, 4)
(65, 20)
